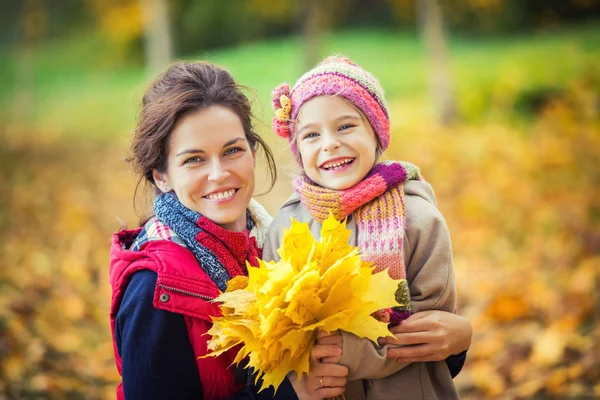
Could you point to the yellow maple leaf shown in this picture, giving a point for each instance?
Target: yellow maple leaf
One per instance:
(237, 282)
(316, 285)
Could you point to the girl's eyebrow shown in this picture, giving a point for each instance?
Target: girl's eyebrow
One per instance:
(196, 151)
(338, 119)
(347, 116)
(305, 126)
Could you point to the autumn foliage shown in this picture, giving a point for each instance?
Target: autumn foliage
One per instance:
(522, 201)
(274, 314)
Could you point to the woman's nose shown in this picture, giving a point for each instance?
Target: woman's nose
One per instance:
(218, 172)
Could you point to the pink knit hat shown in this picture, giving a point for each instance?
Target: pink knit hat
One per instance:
(334, 76)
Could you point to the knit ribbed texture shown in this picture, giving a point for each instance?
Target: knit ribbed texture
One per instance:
(377, 203)
(230, 249)
(335, 76)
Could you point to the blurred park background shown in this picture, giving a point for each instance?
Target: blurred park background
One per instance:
(496, 100)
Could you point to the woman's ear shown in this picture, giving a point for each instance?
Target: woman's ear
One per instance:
(161, 180)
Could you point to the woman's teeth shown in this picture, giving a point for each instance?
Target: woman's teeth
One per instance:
(221, 195)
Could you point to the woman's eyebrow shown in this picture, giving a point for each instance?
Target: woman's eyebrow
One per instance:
(195, 151)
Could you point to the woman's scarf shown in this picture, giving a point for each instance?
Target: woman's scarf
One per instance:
(222, 254)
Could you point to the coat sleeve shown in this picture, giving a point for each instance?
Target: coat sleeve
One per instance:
(157, 358)
(428, 255)
(274, 235)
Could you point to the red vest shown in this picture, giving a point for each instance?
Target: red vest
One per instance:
(182, 287)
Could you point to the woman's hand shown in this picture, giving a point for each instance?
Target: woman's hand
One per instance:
(324, 380)
(431, 335)
(333, 339)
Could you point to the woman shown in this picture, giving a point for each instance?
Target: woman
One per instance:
(195, 146)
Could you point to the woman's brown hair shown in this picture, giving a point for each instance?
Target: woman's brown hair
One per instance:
(183, 88)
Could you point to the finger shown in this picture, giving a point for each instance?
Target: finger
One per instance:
(321, 334)
(333, 381)
(407, 339)
(335, 370)
(415, 325)
(411, 352)
(324, 350)
(334, 360)
(332, 339)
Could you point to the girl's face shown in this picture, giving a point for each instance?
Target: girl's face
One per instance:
(336, 143)
(210, 166)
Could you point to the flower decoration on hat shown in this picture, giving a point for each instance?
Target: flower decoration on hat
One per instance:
(282, 105)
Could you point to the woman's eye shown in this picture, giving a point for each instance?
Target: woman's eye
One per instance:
(310, 135)
(233, 150)
(194, 159)
(346, 126)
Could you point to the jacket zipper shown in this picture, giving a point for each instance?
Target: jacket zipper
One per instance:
(172, 289)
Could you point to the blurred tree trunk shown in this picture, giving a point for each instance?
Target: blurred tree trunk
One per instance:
(157, 35)
(312, 17)
(32, 27)
(430, 16)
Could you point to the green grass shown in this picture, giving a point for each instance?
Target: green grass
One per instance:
(75, 92)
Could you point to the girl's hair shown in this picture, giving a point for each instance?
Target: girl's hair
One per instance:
(183, 88)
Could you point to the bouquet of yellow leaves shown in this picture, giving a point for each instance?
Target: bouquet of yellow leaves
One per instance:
(276, 311)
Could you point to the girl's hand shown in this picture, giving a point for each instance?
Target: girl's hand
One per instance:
(333, 339)
(431, 335)
(324, 380)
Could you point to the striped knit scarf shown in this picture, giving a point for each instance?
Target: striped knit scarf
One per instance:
(377, 203)
(220, 253)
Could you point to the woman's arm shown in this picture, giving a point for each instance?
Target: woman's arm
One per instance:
(429, 336)
(432, 336)
(157, 357)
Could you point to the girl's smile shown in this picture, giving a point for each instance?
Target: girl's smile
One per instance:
(338, 164)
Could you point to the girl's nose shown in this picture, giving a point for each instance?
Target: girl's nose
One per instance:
(330, 142)
(218, 172)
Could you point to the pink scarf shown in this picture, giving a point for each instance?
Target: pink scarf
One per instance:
(377, 203)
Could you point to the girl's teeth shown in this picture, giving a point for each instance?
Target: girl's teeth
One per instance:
(221, 195)
(338, 164)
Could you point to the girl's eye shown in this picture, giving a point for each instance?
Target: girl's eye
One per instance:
(194, 159)
(233, 150)
(310, 135)
(346, 126)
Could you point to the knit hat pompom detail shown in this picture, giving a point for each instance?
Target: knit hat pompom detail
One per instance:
(334, 76)
(339, 60)
(282, 105)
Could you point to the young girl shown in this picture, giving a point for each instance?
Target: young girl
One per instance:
(337, 125)
(195, 146)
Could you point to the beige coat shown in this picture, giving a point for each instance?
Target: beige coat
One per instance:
(428, 256)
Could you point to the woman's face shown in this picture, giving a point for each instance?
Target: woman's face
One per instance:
(210, 166)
